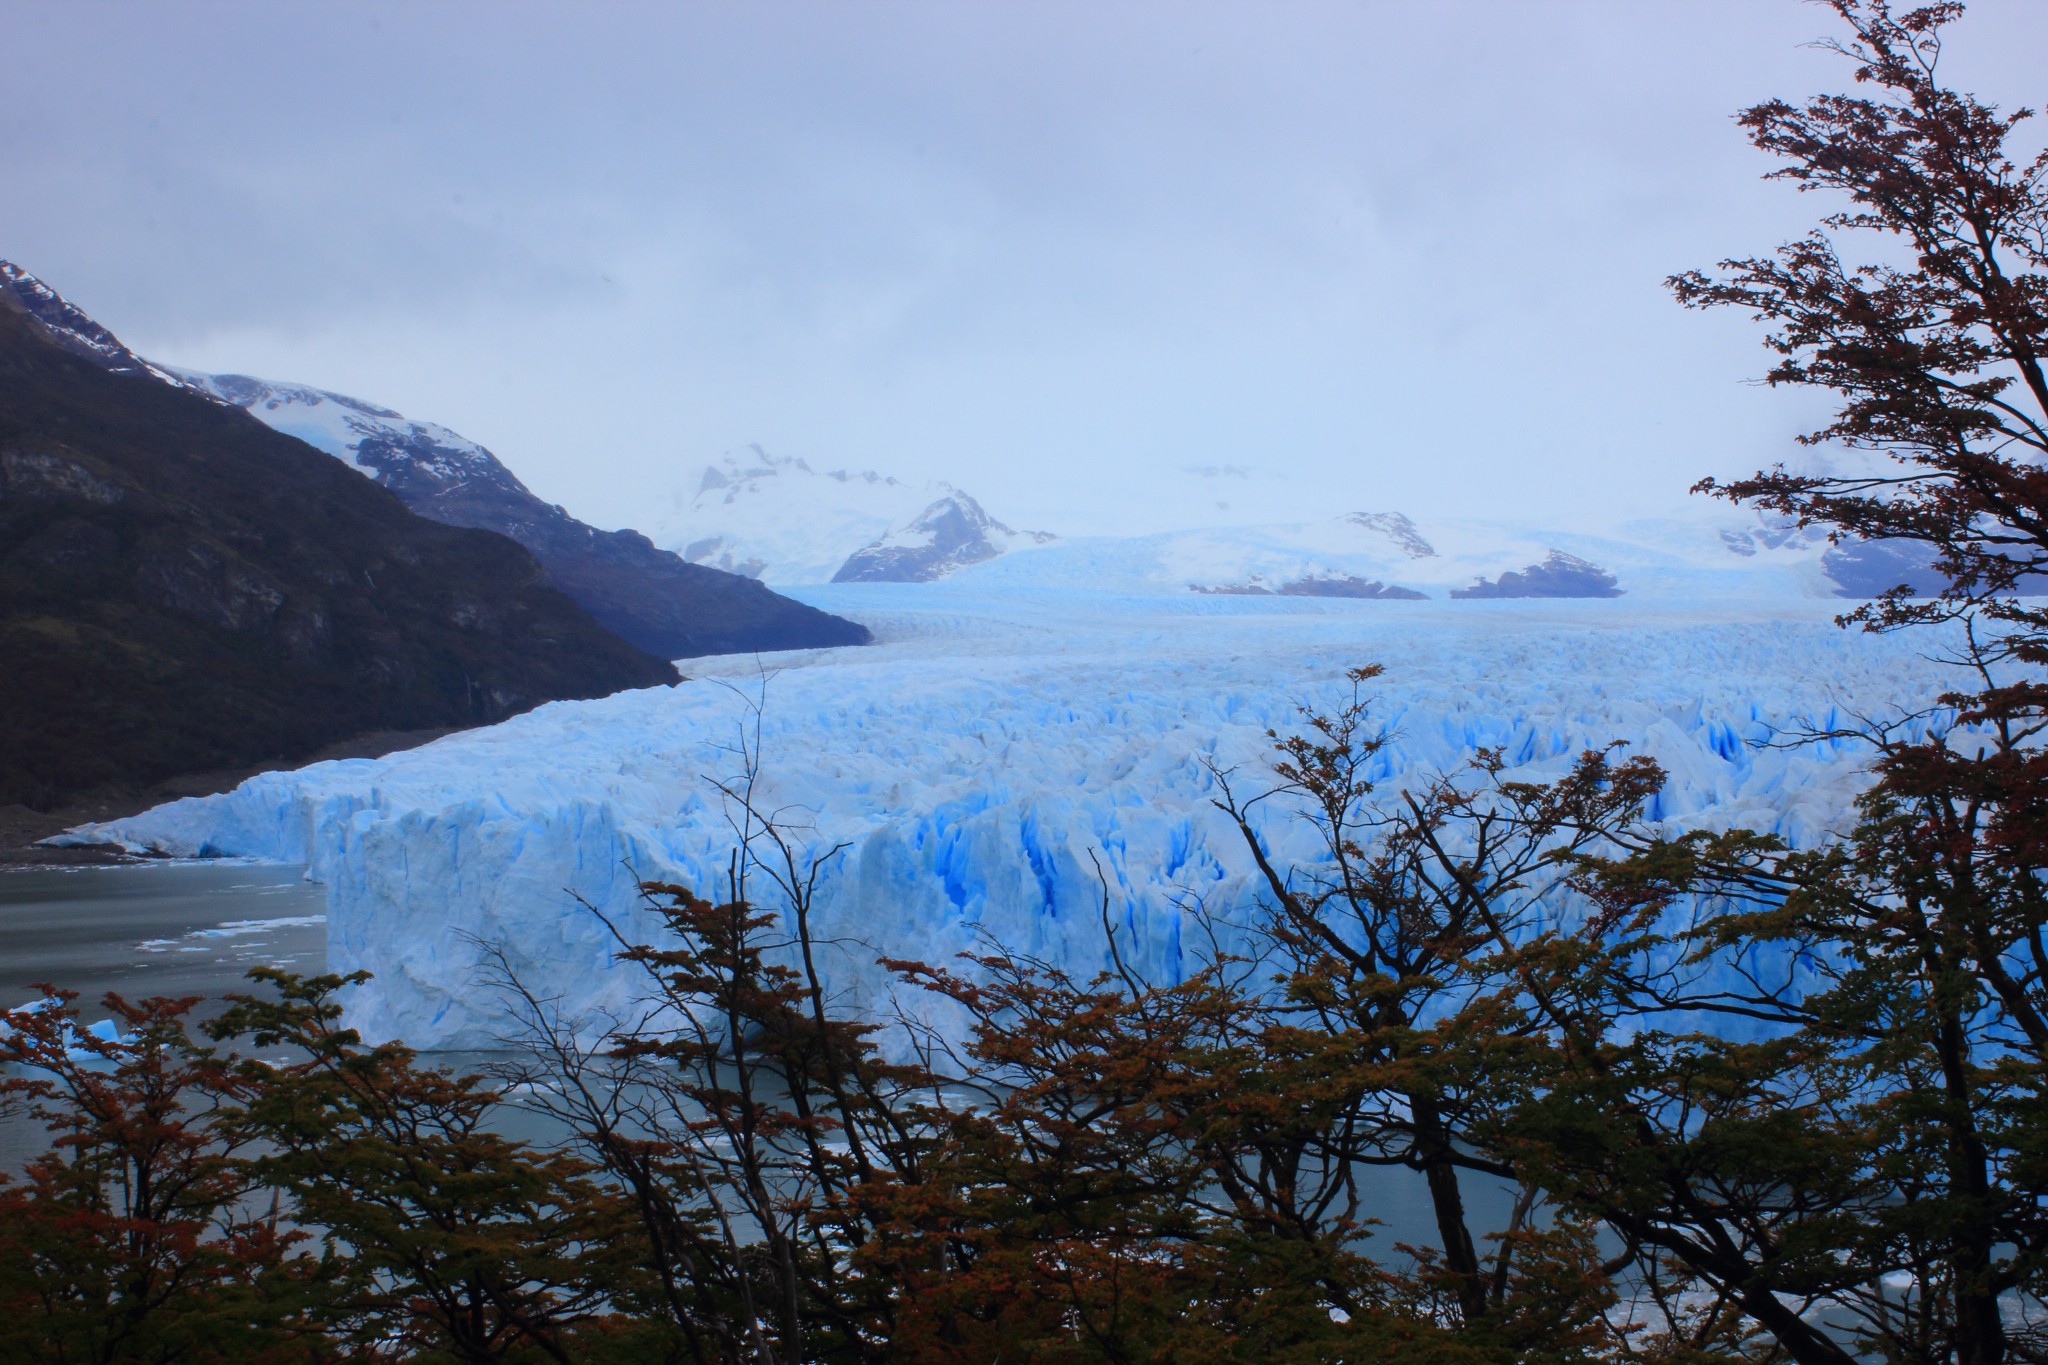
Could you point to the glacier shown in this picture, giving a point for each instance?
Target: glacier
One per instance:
(996, 745)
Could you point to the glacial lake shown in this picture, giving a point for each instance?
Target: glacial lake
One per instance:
(172, 928)
(196, 928)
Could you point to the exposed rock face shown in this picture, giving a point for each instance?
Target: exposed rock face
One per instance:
(182, 588)
(950, 534)
(1345, 585)
(1869, 568)
(775, 518)
(1559, 575)
(1397, 528)
(1320, 585)
(68, 328)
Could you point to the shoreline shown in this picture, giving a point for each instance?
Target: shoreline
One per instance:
(23, 828)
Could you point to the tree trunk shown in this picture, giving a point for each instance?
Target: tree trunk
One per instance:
(1433, 1154)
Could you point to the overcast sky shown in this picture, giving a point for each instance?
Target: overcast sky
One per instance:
(1362, 255)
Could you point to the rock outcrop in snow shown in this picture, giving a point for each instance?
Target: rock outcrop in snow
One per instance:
(1705, 550)
(1559, 575)
(1317, 585)
(775, 518)
(950, 534)
(1398, 530)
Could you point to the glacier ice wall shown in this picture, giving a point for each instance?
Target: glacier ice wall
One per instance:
(974, 759)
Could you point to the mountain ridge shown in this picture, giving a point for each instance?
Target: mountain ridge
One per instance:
(648, 596)
(651, 598)
(183, 589)
(952, 533)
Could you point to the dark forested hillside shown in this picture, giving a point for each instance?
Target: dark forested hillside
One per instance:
(650, 597)
(183, 588)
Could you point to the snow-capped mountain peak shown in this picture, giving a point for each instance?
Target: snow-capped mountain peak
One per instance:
(71, 329)
(777, 518)
(950, 534)
(1397, 528)
(739, 474)
(646, 596)
(388, 446)
(383, 444)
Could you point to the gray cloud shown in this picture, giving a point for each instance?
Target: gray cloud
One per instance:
(1396, 255)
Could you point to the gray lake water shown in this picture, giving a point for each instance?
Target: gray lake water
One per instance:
(180, 929)
(172, 929)
(155, 929)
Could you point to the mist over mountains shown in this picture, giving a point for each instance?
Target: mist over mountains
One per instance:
(776, 518)
(692, 584)
(783, 519)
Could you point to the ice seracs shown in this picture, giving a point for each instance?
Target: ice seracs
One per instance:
(989, 751)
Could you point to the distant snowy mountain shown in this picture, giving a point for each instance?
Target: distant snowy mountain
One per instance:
(1706, 549)
(778, 520)
(409, 457)
(775, 518)
(950, 534)
(647, 595)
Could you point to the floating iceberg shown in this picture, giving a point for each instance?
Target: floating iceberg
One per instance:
(105, 1033)
(978, 763)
